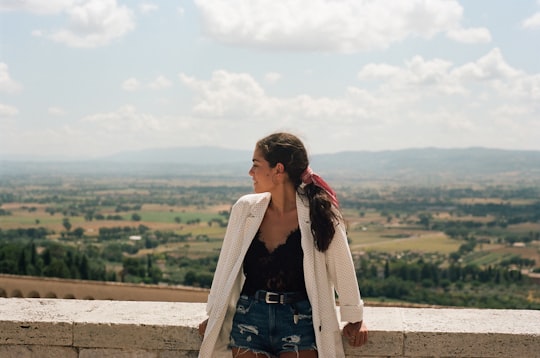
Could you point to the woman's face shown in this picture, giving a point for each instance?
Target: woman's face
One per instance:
(261, 173)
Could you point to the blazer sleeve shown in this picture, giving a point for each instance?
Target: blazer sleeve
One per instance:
(227, 255)
(342, 273)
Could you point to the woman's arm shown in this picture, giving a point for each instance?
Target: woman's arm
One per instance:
(342, 273)
(221, 274)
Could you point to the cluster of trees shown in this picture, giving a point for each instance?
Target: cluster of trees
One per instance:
(449, 287)
(63, 261)
(36, 233)
(414, 279)
(396, 289)
(199, 272)
(141, 269)
(463, 228)
(429, 274)
(19, 258)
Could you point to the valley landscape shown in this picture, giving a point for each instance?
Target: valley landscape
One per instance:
(433, 227)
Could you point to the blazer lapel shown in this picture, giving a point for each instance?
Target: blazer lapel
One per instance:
(254, 220)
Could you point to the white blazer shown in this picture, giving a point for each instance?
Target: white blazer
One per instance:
(325, 274)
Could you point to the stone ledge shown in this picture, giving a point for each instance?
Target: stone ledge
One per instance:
(82, 328)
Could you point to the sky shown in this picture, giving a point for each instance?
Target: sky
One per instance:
(89, 78)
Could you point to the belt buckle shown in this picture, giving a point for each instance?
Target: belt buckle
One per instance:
(268, 296)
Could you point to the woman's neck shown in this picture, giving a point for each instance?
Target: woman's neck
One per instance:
(283, 201)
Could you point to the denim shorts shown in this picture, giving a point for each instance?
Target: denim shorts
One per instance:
(270, 328)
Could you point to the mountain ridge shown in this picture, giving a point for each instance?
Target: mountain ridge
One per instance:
(409, 164)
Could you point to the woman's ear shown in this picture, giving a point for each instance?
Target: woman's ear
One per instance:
(280, 168)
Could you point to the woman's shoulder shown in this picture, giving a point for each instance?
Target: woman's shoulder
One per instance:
(250, 204)
(253, 199)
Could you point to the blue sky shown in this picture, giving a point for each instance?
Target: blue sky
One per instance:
(86, 78)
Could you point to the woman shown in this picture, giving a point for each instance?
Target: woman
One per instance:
(284, 257)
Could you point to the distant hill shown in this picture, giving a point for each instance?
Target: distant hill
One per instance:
(434, 164)
(426, 165)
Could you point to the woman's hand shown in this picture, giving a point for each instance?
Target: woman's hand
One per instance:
(202, 327)
(356, 333)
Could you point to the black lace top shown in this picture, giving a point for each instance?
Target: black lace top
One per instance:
(278, 271)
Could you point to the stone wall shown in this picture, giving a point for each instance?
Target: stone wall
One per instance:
(50, 287)
(48, 328)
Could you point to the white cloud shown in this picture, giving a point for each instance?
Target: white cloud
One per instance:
(131, 85)
(127, 128)
(239, 98)
(124, 120)
(233, 95)
(487, 94)
(436, 101)
(55, 140)
(492, 66)
(8, 111)
(325, 25)
(417, 73)
(489, 79)
(532, 22)
(160, 82)
(7, 84)
(93, 23)
(422, 102)
(104, 133)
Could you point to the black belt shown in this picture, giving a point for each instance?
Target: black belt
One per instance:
(282, 298)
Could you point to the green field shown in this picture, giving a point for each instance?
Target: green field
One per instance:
(181, 231)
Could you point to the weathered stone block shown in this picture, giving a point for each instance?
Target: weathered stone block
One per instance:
(156, 326)
(19, 351)
(178, 354)
(42, 322)
(117, 353)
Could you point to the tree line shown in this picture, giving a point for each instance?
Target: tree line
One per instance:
(420, 281)
(55, 260)
(405, 279)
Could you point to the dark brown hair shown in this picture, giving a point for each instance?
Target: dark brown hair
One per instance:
(287, 149)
